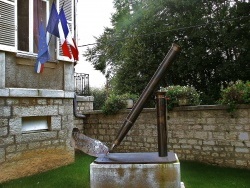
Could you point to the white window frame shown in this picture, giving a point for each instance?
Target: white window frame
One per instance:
(58, 53)
(31, 53)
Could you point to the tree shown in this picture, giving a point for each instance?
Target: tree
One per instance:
(213, 35)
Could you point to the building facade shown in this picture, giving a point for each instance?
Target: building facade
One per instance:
(36, 110)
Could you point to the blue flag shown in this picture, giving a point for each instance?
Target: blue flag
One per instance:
(52, 26)
(43, 53)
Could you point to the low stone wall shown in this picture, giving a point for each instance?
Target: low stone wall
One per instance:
(84, 103)
(203, 133)
(26, 153)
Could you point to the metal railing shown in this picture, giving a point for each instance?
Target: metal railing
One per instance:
(81, 83)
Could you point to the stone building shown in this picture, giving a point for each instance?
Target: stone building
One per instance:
(36, 110)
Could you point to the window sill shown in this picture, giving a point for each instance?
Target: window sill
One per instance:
(27, 55)
(32, 58)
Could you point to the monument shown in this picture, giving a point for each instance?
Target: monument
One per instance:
(144, 169)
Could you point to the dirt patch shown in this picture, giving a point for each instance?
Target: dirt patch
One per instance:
(35, 161)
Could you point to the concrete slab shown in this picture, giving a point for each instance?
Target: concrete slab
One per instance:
(135, 175)
(136, 158)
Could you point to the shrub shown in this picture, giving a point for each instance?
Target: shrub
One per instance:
(113, 104)
(175, 93)
(236, 93)
(126, 96)
(99, 97)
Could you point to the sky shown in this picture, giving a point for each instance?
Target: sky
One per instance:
(93, 16)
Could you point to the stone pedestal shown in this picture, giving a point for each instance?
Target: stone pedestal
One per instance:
(135, 170)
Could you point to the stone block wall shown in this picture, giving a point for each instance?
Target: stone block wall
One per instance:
(212, 135)
(203, 133)
(26, 98)
(84, 103)
(26, 153)
(19, 73)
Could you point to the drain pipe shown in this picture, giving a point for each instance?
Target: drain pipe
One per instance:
(75, 109)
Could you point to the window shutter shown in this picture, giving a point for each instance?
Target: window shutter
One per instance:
(8, 25)
(68, 7)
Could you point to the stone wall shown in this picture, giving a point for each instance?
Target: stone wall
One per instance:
(19, 73)
(34, 100)
(84, 103)
(24, 153)
(203, 133)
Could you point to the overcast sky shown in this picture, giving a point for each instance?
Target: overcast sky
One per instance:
(93, 16)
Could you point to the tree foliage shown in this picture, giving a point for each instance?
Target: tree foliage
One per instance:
(213, 35)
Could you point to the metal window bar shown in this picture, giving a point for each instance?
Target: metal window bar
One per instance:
(81, 83)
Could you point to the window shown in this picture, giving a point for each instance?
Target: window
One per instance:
(19, 25)
(35, 123)
(30, 13)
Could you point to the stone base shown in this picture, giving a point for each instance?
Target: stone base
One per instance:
(114, 173)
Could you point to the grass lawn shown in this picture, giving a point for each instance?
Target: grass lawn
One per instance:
(198, 175)
(75, 175)
(194, 175)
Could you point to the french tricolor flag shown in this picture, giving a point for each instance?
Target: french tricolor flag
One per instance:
(58, 26)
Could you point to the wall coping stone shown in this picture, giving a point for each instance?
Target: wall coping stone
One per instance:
(209, 107)
(29, 92)
(51, 93)
(85, 98)
(69, 94)
(182, 108)
(121, 111)
(4, 92)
